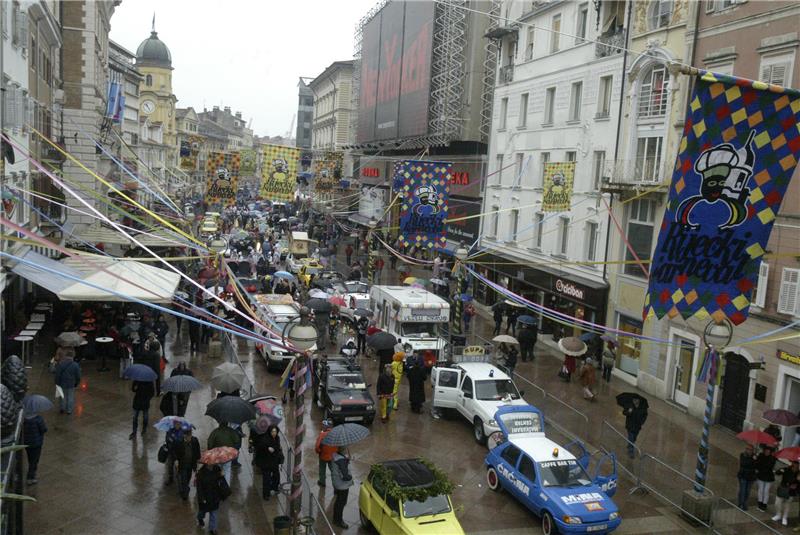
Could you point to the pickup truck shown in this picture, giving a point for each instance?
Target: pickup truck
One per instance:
(340, 389)
(476, 390)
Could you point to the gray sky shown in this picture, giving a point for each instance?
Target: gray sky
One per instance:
(246, 54)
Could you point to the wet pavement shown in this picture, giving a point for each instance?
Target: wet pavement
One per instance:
(93, 480)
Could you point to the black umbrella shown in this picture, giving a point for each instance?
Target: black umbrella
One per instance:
(345, 434)
(319, 305)
(36, 403)
(322, 284)
(381, 340)
(181, 384)
(139, 372)
(232, 409)
(363, 312)
(626, 400)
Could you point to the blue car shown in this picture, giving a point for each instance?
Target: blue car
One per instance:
(550, 480)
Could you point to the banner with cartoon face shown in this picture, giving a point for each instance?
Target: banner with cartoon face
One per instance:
(740, 146)
(558, 180)
(279, 172)
(327, 168)
(222, 178)
(248, 167)
(189, 150)
(424, 189)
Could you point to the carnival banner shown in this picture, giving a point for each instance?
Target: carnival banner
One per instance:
(279, 172)
(424, 196)
(248, 167)
(189, 150)
(327, 170)
(222, 177)
(558, 180)
(740, 146)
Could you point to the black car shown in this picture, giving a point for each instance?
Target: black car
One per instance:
(342, 392)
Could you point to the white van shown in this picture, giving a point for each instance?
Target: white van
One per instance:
(276, 311)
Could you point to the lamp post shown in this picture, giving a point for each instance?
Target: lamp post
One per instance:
(302, 335)
(460, 255)
(373, 250)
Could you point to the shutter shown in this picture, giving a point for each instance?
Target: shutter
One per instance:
(778, 74)
(790, 285)
(760, 295)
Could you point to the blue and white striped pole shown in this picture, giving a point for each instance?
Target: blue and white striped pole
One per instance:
(702, 453)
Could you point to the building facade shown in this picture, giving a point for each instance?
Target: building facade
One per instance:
(190, 144)
(330, 128)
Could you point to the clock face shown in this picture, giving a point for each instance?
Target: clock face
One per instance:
(148, 106)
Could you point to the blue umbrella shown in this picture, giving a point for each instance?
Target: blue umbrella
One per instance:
(466, 298)
(283, 275)
(36, 403)
(167, 422)
(139, 372)
(527, 320)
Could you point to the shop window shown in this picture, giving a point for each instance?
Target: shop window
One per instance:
(629, 348)
(641, 223)
(789, 293)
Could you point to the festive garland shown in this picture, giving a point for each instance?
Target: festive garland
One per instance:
(441, 484)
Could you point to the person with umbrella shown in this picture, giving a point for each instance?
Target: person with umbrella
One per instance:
(187, 453)
(67, 377)
(212, 490)
(143, 392)
(572, 347)
(173, 437)
(746, 475)
(469, 313)
(608, 359)
(342, 481)
(765, 464)
(268, 457)
(194, 335)
(324, 451)
(183, 397)
(588, 379)
(385, 388)
(634, 408)
(33, 430)
(224, 435)
(787, 491)
(161, 329)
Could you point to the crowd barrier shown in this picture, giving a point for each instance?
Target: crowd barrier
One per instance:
(230, 353)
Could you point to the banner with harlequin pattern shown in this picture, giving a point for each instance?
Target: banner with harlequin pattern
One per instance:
(327, 169)
(189, 151)
(222, 177)
(740, 146)
(424, 190)
(279, 172)
(558, 180)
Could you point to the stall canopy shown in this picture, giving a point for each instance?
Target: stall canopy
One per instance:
(129, 278)
(100, 234)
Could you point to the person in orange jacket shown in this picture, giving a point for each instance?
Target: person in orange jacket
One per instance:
(324, 451)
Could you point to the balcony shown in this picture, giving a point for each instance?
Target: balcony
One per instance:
(628, 177)
(610, 44)
(507, 74)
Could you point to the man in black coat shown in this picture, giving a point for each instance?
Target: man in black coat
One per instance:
(635, 416)
(416, 383)
(528, 334)
(187, 453)
(143, 393)
(212, 489)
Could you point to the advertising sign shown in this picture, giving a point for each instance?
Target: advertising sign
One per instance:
(327, 169)
(222, 177)
(424, 197)
(558, 179)
(279, 172)
(248, 167)
(190, 149)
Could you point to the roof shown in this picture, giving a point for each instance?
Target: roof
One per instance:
(481, 370)
(153, 52)
(329, 70)
(410, 472)
(411, 296)
(541, 449)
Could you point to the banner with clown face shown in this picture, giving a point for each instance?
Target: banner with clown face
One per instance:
(222, 178)
(424, 189)
(558, 180)
(739, 149)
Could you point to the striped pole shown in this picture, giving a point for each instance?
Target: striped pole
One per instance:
(371, 259)
(459, 304)
(296, 497)
(702, 453)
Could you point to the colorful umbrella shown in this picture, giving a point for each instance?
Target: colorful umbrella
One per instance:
(409, 280)
(283, 275)
(781, 417)
(755, 436)
(790, 454)
(270, 408)
(337, 300)
(168, 422)
(219, 455)
(261, 425)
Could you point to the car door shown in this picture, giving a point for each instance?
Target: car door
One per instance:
(445, 387)
(507, 468)
(466, 398)
(605, 473)
(526, 471)
(390, 519)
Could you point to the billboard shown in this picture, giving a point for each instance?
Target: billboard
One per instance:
(396, 51)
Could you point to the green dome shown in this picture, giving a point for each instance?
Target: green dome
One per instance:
(153, 52)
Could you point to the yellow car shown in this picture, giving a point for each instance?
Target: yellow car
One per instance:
(308, 267)
(402, 497)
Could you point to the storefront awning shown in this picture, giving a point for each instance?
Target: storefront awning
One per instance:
(99, 234)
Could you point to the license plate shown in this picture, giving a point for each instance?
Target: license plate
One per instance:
(353, 418)
(601, 527)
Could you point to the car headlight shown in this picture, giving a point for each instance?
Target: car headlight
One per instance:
(337, 407)
(571, 519)
(370, 407)
(613, 516)
(491, 423)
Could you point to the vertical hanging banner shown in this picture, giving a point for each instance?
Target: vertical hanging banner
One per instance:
(558, 180)
(248, 167)
(739, 149)
(279, 172)
(327, 170)
(424, 189)
(222, 178)
(189, 151)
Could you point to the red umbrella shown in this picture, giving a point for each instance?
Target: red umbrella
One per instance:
(337, 300)
(219, 455)
(790, 454)
(757, 437)
(781, 417)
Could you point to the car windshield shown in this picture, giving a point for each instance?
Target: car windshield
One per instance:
(495, 390)
(346, 381)
(422, 329)
(432, 506)
(356, 287)
(566, 473)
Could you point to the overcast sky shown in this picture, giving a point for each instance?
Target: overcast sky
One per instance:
(246, 54)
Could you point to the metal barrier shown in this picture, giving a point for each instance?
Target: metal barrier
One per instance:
(728, 519)
(231, 353)
(574, 418)
(11, 463)
(613, 440)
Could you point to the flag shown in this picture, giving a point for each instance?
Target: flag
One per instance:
(740, 145)
(558, 180)
(222, 177)
(327, 169)
(248, 167)
(424, 198)
(279, 172)
(189, 152)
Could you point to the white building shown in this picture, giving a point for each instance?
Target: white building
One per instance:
(557, 100)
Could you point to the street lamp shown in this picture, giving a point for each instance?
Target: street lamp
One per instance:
(371, 243)
(302, 335)
(461, 255)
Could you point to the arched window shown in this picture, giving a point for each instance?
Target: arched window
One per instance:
(148, 80)
(660, 14)
(652, 95)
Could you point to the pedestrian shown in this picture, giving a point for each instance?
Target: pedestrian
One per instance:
(224, 435)
(194, 335)
(187, 453)
(469, 313)
(511, 320)
(212, 490)
(342, 481)
(67, 377)
(178, 318)
(588, 378)
(143, 393)
(609, 358)
(528, 334)
(775, 431)
(161, 329)
(511, 356)
(268, 457)
(635, 417)
(568, 368)
(397, 372)
(385, 389)
(437, 266)
(765, 464)
(379, 263)
(497, 315)
(151, 357)
(183, 397)
(361, 327)
(416, 383)
(787, 491)
(33, 430)
(348, 252)
(324, 451)
(746, 475)
(171, 440)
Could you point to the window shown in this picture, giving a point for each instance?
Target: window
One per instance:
(544, 158)
(591, 241)
(499, 171)
(511, 455)
(789, 293)
(583, 19)
(571, 155)
(660, 14)
(529, 43)
(630, 348)
(604, 97)
(776, 69)
(527, 469)
(523, 110)
(495, 220)
(648, 159)
(549, 105)
(513, 224)
(575, 97)
(555, 33)
(148, 80)
(466, 386)
(652, 96)
(598, 165)
(518, 168)
(539, 229)
(563, 235)
(759, 297)
(641, 222)
(503, 113)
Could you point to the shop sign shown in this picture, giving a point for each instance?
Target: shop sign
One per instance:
(372, 172)
(459, 178)
(788, 357)
(569, 289)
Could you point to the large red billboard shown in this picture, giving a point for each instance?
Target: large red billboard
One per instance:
(396, 52)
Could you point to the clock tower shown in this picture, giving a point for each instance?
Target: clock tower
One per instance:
(156, 100)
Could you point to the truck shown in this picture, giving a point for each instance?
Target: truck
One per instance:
(414, 316)
(275, 311)
(300, 246)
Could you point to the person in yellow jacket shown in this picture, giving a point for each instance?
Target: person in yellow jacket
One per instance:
(397, 371)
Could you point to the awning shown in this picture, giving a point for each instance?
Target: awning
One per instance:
(99, 234)
(161, 238)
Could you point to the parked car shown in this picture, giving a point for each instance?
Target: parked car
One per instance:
(342, 392)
